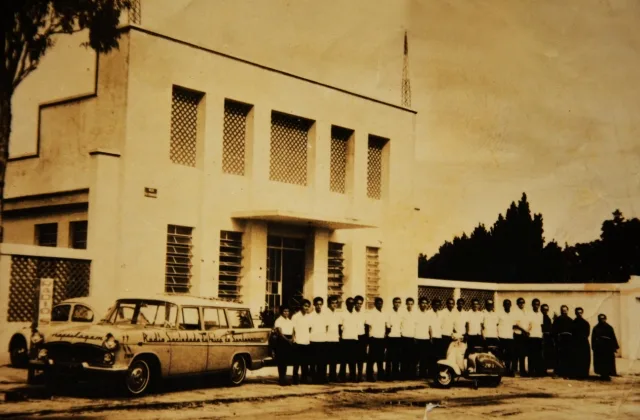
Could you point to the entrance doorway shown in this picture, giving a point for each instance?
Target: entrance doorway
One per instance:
(285, 271)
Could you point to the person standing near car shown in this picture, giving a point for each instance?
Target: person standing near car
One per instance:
(409, 357)
(490, 326)
(520, 326)
(394, 341)
(301, 338)
(360, 316)
(332, 346)
(377, 322)
(318, 338)
(474, 327)
(424, 319)
(349, 342)
(447, 318)
(284, 346)
(505, 335)
(534, 341)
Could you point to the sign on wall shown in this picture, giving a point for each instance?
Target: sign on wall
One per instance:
(45, 301)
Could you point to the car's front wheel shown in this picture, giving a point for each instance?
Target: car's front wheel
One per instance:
(445, 376)
(238, 371)
(138, 378)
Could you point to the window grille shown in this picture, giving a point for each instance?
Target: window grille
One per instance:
(135, 12)
(469, 294)
(338, 171)
(373, 275)
(374, 167)
(336, 271)
(234, 137)
(430, 292)
(289, 144)
(230, 265)
(78, 234)
(184, 126)
(47, 234)
(178, 266)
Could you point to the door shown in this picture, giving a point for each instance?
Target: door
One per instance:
(188, 349)
(285, 271)
(219, 349)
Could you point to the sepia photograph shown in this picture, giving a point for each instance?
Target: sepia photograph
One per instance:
(320, 209)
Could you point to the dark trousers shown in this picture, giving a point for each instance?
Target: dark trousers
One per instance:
(332, 356)
(348, 356)
(507, 354)
(445, 341)
(375, 356)
(409, 357)
(362, 354)
(425, 357)
(318, 361)
(284, 355)
(394, 354)
(536, 362)
(564, 353)
(492, 344)
(520, 353)
(302, 358)
(474, 343)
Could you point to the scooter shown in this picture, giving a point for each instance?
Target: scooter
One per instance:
(479, 366)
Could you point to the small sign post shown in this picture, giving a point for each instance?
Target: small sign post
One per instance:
(45, 301)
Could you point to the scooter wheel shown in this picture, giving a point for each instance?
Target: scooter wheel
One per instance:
(445, 377)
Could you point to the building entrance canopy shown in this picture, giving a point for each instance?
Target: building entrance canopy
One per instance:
(303, 219)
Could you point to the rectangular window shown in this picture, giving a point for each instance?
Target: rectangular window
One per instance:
(47, 234)
(190, 318)
(214, 318)
(230, 265)
(339, 151)
(336, 270)
(234, 137)
(78, 234)
(178, 266)
(375, 166)
(373, 275)
(239, 318)
(184, 126)
(289, 147)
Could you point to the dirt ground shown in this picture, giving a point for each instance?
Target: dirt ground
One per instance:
(517, 398)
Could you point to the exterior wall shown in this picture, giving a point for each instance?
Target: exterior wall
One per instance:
(21, 230)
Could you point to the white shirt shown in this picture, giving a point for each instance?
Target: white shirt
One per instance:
(535, 324)
(394, 321)
(318, 324)
(423, 323)
(350, 325)
(475, 322)
(408, 325)
(285, 325)
(490, 324)
(360, 316)
(333, 319)
(447, 321)
(301, 328)
(436, 323)
(505, 324)
(460, 321)
(376, 321)
(520, 319)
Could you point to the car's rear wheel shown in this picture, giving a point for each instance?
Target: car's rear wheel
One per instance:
(19, 352)
(138, 379)
(238, 370)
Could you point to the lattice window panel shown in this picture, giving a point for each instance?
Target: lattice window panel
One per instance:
(289, 146)
(135, 12)
(374, 167)
(338, 169)
(373, 276)
(178, 263)
(336, 271)
(234, 137)
(481, 295)
(71, 279)
(184, 126)
(430, 292)
(229, 276)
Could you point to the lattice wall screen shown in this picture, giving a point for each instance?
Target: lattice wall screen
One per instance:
(234, 137)
(430, 292)
(335, 268)
(373, 275)
(230, 265)
(289, 144)
(374, 167)
(178, 265)
(184, 126)
(135, 13)
(481, 295)
(71, 279)
(338, 170)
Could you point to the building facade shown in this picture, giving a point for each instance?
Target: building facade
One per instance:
(190, 171)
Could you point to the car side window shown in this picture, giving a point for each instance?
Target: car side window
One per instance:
(60, 313)
(82, 313)
(214, 318)
(190, 318)
(239, 318)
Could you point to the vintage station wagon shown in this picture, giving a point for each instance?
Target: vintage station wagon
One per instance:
(143, 340)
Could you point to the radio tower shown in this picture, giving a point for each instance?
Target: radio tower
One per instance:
(406, 83)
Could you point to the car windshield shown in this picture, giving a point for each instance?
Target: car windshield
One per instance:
(142, 312)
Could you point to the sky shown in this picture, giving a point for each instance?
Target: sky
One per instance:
(513, 96)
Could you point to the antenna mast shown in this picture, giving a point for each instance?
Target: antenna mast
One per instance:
(406, 83)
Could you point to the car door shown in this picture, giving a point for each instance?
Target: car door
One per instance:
(220, 349)
(188, 346)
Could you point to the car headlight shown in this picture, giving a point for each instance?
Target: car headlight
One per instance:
(110, 343)
(36, 338)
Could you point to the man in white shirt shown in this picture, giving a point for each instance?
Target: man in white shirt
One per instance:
(318, 341)
(505, 335)
(302, 340)
(332, 347)
(394, 341)
(424, 319)
(474, 327)
(438, 351)
(409, 359)
(534, 341)
(520, 332)
(284, 349)
(361, 355)
(376, 320)
(447, 325)
(349, 341)
(460, 320)
(490, 327)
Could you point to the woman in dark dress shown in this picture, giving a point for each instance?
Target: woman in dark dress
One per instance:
(604, 345)
(581, 350)
(563, 338)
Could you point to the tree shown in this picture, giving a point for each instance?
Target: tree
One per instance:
(29, 28)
